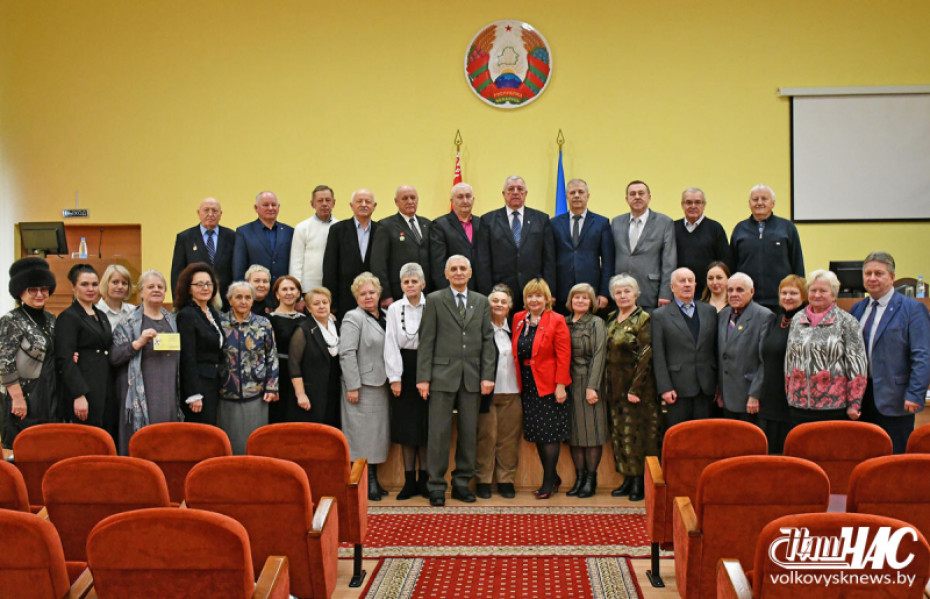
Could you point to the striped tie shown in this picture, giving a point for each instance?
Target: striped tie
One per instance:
(211, 246)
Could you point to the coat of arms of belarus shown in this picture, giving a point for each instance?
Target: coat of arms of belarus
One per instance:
(508, 64)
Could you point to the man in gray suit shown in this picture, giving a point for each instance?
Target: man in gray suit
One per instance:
(741, 328)
(456, 364)
(684, 352)
(645, 244)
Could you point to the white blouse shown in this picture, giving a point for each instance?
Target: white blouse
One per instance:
(506, 381)
(403, 328)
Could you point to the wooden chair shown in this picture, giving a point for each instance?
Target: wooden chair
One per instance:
(272, 499)
(735, 499)
(897, 486)
(36, 448)
(80, 492)
(771, 580)
(323, 453)
(32, 563)
(837, 447)
(919, 441)
(170, 552)
(176, 447)
(688, 448)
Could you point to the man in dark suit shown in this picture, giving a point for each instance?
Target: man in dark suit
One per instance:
(456, 364)
(207, 242)
(741, 329)
(408, 239)
(645, 247)
(354, 246)
(515, 244)
(699, 240)
(454, 234)
(896, 330)
(584, 248)
(684, 352)
(264, 241)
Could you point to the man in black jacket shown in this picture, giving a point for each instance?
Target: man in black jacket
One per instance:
(454, 234)
(408, 239)
(194, 245)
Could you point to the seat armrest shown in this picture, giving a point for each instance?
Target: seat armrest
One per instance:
(654, 470)
(82, 586)
(326, 506)
(183, 505)
(688, 517)
(42, 513)
(358, 470)
(656, 512)
(274, 581)
(731, 580)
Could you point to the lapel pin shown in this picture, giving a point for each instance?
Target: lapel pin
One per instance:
(195, 247)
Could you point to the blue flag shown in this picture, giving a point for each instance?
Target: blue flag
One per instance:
(561, 203)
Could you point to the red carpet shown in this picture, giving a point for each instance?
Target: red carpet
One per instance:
(461, 577)
(518, 531)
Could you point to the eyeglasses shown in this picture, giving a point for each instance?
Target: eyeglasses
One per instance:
(34, 291)
(203, 285)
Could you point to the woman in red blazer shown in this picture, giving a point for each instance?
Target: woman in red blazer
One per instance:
(542, 349)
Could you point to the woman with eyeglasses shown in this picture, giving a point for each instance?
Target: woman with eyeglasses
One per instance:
(27, 357)
(82, 330)
(202, 358)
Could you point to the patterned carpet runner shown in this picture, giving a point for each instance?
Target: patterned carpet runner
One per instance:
(518, 531)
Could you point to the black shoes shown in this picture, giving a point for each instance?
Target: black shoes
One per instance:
(410, 486)
(637, 489)
(422, 478)
(624, 489)
(437, 498)
(462, 494)
(579, 479)
(483, 490)
(506, 490)
(589, 486)
(374, 489)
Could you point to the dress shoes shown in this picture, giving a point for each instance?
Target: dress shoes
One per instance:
(579, 479)
(437, 498)
(624, 489)
(638, 489)
(463, 494)
(483, 490)
(506, 490)
(589, 486)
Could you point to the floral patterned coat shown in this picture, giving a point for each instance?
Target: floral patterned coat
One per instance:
(826, 365)
(251, 357)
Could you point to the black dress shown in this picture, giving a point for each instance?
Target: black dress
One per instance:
(774, 415)
(544, 419)
(203, 362)
(409, 413)
(309, 359)
(89, 336)
(284, 326)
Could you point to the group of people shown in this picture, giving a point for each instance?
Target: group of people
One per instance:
(572, 329)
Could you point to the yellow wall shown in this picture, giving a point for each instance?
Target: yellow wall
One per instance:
(146, 107)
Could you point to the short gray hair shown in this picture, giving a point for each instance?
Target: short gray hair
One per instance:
(761, 187)
(624, 280)
(411, 269)
(462, 184)
(514, 178)
(824, 275)
(741, 276)
(254, 269)
(258, 198)
(147, 274)
(457, 257)
(883, 257)
(696, 190)
(231, 290)
(577, 181)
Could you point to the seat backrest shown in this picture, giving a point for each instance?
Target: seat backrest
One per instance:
(36, 448)
(271, 498)
(737, 497)
(32, 564)
(897, 486)
(322, 451)
(919, 441)
(691, 446)
(837, 447)
(795, 573)
(12, 488)
(176, 447)
(80, 492)
(170, 552)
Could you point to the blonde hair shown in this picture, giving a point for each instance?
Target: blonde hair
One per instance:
(586, 289)
(538, 285)
(319, 291)
(109, 273)
(363, 279)
(624, 280)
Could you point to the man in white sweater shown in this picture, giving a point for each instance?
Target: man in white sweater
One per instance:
(309, 243)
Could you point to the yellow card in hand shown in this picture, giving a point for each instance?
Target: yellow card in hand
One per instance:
(167, 342)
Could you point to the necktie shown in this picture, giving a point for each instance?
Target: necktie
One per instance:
(761, 228)
(414, 230)
(516, 226)
(635, 224)
(687, 308)
(576, 229)
(461, 304)
(867, 328)
(211, 246)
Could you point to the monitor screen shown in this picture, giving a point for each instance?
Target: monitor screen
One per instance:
(849, 272)
(44, 238)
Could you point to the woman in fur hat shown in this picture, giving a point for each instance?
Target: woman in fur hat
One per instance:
(27, 357)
